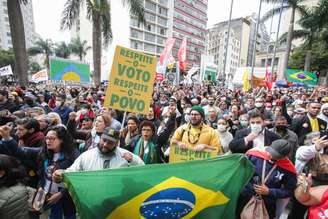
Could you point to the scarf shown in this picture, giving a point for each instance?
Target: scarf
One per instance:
(150, 156)
(284, 163)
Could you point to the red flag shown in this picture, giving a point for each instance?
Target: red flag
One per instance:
(182, 55)
(268, 81)
(166, 51)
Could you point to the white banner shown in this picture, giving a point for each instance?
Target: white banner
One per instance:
(6, 70)
(40, 76)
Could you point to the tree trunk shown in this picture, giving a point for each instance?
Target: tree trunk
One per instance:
(96, 43)
(307, 62)
(18, 40)
(289, 42)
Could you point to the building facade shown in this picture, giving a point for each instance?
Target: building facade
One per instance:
(29, 26)
(241, 44)
(189, 21)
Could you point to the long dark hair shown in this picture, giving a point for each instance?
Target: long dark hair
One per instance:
(14, 171)
(66, 147)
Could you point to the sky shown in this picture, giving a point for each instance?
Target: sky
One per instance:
(47, 15)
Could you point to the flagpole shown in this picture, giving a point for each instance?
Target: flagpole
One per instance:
(255, 41)
(177, 74)
(227, 43)
(276, 43)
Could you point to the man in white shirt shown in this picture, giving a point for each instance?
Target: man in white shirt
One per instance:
(105, 156)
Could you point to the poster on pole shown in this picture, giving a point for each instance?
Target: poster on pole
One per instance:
(131, 81)
(68, 70)
(6, 70)
(184, 155)
(40, 76)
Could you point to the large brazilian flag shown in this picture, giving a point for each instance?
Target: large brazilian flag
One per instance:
(299, 76)
(198, 189)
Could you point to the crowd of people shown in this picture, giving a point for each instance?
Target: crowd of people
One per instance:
(46, 131)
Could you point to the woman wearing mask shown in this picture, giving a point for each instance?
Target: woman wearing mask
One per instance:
(225, 137)
(58, 153)
(92, 137)
(13, 194)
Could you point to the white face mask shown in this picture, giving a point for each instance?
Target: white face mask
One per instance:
(258, 105)
(187, 118)
(244, 123)
(256, 128)
(58, 103)
(222, 128)
(83, 111)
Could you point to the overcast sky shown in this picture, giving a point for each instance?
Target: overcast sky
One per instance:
(47, 14)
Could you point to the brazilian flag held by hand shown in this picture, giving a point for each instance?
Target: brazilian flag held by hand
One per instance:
(198, 189)
(300, 76)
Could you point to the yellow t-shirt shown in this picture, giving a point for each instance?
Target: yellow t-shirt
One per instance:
(205, 135)
(314, 124)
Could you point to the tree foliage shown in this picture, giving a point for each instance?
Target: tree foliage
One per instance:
(7, 58)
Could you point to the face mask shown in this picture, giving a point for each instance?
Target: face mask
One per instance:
(281, 128)
(187, 118)
(221, 128)
(83, 111)
(58, 103)
(268, 108)
(290, 113)
(256, 128)
(258, 105)
(244, 123)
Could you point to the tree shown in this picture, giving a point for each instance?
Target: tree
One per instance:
(44, 47)
(312, 23)
(295, 6)
(7, 57)
(79, 48)
(62, 50)
(18, 39)
(98, 12)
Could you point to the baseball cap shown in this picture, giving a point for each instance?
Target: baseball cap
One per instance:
(279, 149)
(111, 134)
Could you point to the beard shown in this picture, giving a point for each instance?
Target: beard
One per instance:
(195, 123)
(107, 152)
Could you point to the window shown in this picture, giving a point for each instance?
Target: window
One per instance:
(163, 2)
(136, 34)
(8, 34)
(149, 48)
(150, 6)
(162, 31)
(162, 21)
(160, 40)
(136, 45)
(149, 37)
(150, 27)
(135, 23)
(150, 17)
(162, 11)
(159, 49)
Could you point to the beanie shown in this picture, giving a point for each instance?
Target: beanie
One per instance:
(198, 109)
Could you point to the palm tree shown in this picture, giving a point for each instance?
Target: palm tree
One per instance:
(18, 39)
(98, 12)
(44, 47)
(62, 50)
(295, 6)
(79, 48)
(312, 23)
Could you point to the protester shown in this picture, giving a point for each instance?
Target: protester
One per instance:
(196, 134)
(62, 108)
(274, 177)
(57, 154)
(225, 137)
(129, 132)
(5, 103)
(254, 136)
(13, 194)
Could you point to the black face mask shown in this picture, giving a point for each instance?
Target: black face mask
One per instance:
(281, 128)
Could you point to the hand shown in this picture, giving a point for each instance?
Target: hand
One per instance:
(72, 115)
(54, 198)
(261, 189)
(182, 145)
(321, 143)
(57, 176)
(127, 156)
(200, 147)
(5, 131)
(250, 137)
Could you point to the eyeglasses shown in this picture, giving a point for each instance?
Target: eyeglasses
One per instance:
(146, 130)
(51, 138)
